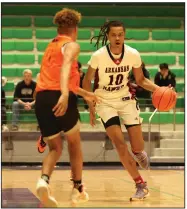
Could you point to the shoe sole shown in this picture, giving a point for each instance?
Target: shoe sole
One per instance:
(79, 201)
(138, 199)
(46, 200)
(83, 200)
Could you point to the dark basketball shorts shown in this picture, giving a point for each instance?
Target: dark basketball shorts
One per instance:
(49, 124)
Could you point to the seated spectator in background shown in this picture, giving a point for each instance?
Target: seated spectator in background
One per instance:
(23, 97)
(165, 77)
(3, 106)
(140, 92)
(82, 74)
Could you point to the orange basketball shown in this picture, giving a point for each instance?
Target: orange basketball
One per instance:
(164, 98)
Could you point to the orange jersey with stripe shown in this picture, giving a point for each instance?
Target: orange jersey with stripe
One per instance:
(52, 61)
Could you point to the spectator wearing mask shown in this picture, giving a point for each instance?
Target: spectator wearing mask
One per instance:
(3, 106)
(140, 92)
(165, 77)
(23, 97)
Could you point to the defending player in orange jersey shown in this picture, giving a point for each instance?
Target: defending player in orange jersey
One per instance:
(56, 105)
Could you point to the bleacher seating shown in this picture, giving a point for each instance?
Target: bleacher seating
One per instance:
(175, 10)
(181, 59)
(18, 59)
(16, 21)
(17, 33)
(18, 46)
(157, 33)
(167, 35)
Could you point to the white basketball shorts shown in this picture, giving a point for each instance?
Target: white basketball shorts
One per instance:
(127, 110)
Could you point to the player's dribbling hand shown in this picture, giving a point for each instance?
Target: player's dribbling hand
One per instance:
(61, 107)
(90, 97)
(171, 87)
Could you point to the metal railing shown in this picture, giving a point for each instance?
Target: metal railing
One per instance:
(149, 129)
(149, 135)
(174, 118)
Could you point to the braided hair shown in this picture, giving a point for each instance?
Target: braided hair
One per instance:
(105, 29)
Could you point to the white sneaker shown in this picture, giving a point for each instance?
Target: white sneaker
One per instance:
(78, 197)
(43, 192)
(141, 192)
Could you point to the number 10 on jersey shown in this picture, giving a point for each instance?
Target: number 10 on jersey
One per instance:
(116, 80)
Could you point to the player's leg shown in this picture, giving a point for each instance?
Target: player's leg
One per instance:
(76, 160)
(137, 144)
(112, 125)
(135, 131)
(115, 134)
(110, 119)
(51, 133)
(75, 152)
(49, 162)
(72, 133)
(132, 121)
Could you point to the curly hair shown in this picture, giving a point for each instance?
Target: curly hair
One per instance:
(67, 18)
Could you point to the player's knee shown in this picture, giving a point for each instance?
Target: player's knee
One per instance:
(57, 149)
(73, 137)
(73, 141)
(121, 145)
